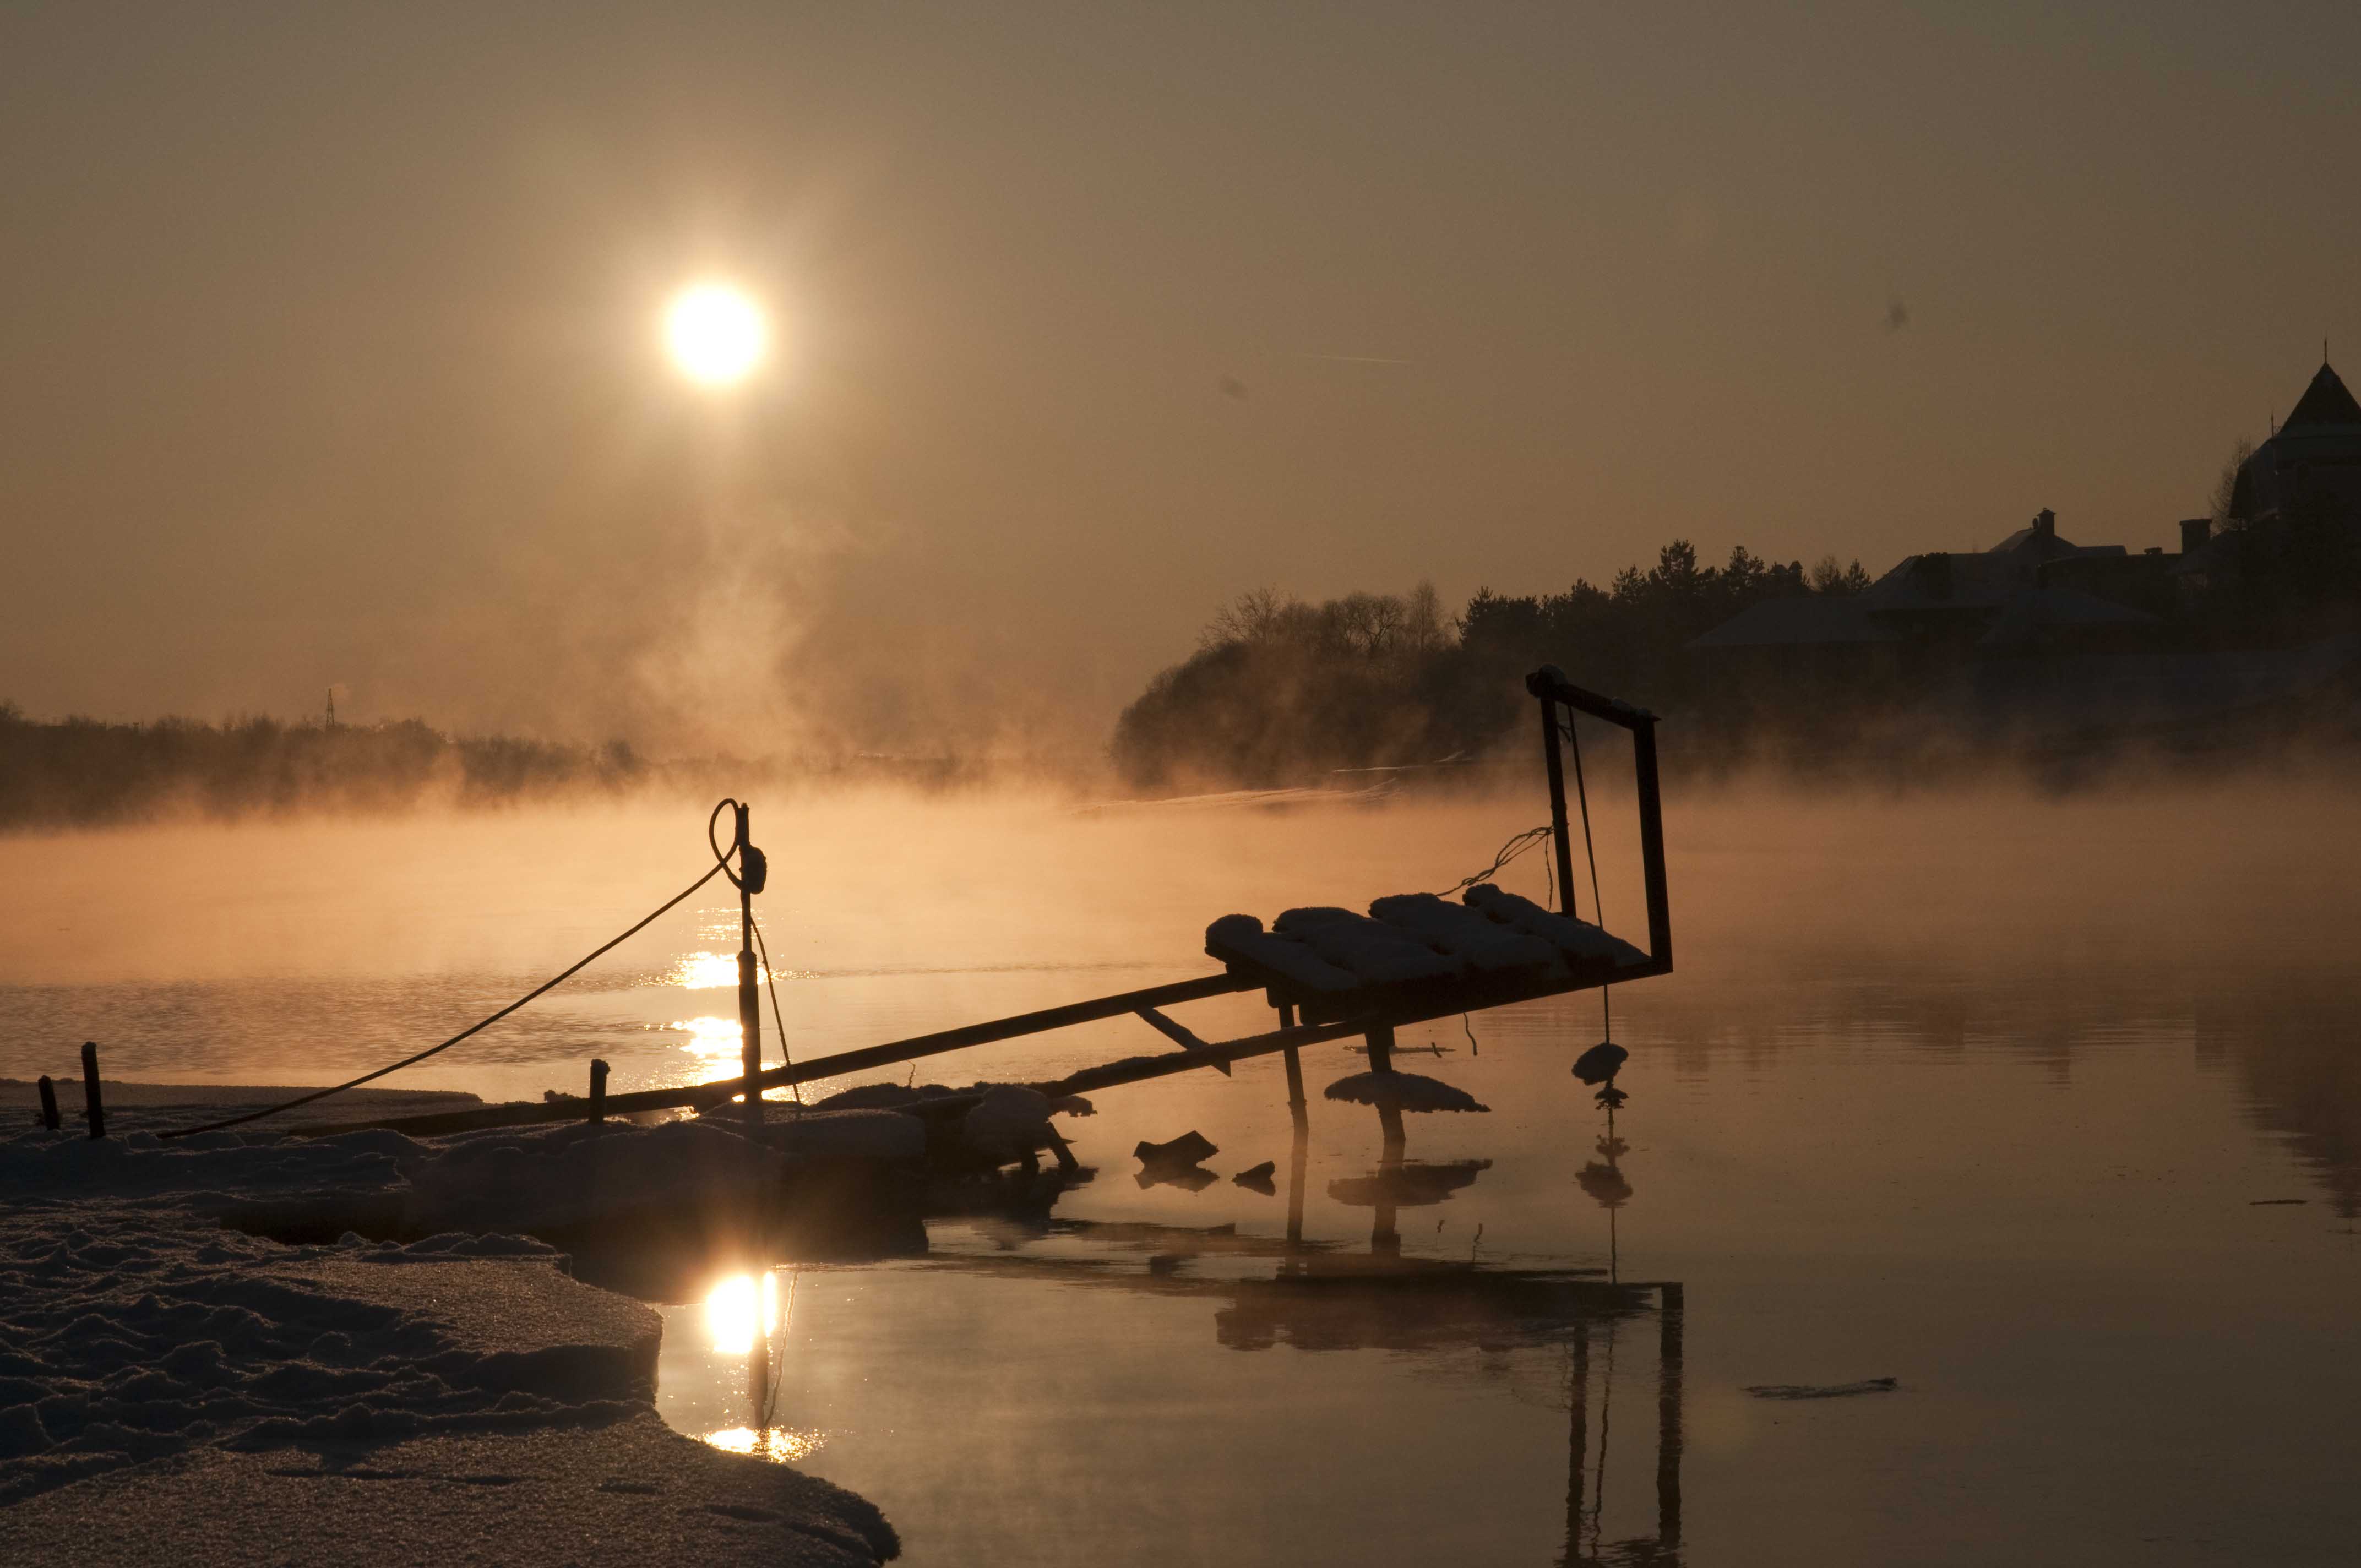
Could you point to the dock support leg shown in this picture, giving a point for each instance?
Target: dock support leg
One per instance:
(1296, 1108)
(1389, 1117)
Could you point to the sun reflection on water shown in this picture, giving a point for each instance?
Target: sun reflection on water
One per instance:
(708, 971)
(716, 1038)
(738, 1309)
(783, 1446)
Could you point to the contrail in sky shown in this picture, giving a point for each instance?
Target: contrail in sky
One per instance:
(1357, 359)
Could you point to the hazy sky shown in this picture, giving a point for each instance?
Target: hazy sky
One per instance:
(328, 350)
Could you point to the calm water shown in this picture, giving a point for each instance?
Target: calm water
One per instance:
(2048, 1111)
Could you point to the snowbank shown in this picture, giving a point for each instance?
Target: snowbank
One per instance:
(172, 1390)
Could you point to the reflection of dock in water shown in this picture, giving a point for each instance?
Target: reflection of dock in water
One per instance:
(1326, 1296)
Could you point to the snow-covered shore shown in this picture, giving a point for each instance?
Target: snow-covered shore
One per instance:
(172, 1390)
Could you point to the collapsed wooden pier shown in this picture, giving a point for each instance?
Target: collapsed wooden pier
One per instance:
(1328, 974)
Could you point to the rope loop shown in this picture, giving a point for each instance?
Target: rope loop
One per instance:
(721, 867)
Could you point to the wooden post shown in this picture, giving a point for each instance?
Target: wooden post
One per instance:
(50, 1117)
(749, 1002)
(92, 1104)
(598, 1089)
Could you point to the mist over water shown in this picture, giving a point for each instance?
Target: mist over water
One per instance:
(2046, 1108)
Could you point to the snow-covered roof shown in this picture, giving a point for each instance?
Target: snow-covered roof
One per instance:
(2325, 402)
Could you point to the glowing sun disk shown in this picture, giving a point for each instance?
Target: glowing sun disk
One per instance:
(717, 334)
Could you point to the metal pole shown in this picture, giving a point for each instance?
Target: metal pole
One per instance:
(750, 1005)
(1563, 840)
(1651, 841)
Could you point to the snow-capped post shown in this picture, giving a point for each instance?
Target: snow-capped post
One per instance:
(90, 1100)
(751, 877)
(50, 1117)
(598, 1089)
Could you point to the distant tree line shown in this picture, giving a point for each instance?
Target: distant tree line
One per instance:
(1279, 689)
(78, 771)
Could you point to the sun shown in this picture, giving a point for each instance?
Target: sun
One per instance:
(717, 334)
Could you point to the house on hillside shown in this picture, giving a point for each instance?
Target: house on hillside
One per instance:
(2039, 633)
(2312, 462)
(2301, 489)
(1941, 607)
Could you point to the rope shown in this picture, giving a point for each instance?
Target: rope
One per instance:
(721, 855)
(1590, 852)
(1517, 844)
(721, 867)
(778, 1023)
(1582, 796)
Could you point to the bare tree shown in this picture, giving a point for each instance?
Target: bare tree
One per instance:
(2226, 483)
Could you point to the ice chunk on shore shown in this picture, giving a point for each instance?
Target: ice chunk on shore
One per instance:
(806, 1133)
(559, 1179)
(1009, 1122)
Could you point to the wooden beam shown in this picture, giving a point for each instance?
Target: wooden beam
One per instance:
(1178, 1035)
(698, 1095)
(1139, 1069)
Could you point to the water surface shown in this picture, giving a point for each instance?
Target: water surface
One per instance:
(2047, 1110)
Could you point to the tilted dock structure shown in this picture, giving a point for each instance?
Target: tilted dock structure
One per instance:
(1328, 974)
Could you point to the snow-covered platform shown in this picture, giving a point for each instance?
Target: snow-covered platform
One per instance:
(1418, 953)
